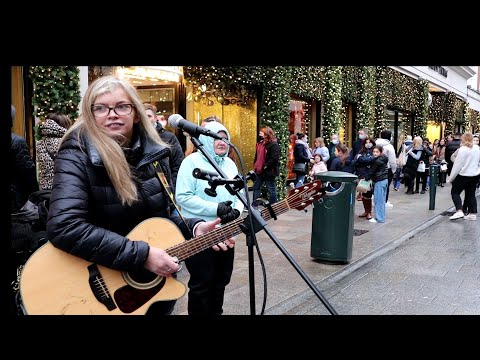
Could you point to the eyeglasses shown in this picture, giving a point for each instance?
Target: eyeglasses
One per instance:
(120, 110)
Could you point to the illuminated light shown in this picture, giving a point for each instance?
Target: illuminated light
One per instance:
(153, 73)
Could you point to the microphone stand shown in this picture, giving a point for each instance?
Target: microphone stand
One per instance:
(256, 224)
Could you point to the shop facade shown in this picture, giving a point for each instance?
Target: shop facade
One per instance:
(317, 101)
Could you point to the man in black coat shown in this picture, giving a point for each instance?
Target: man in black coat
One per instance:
(176, 157)
(24, 175)
(451, 147)
(23, 182)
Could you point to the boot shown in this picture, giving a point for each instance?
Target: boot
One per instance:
(367, 205)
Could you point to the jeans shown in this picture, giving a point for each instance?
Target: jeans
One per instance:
(300, 180)
(270, 183)
(396, 183)
(380, 197)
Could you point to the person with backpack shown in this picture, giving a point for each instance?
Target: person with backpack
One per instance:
(24, 172)
(23, 182)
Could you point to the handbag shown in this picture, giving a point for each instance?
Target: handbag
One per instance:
(364, 186)
(300, 168)
(402, 158)
(443, 167)
(421, 167)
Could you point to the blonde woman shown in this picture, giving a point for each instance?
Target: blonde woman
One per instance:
(320, 148)
(464, 176)
(105, 184)
(414, 152)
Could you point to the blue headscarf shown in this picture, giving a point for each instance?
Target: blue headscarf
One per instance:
(208, 141)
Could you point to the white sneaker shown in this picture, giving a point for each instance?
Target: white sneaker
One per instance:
(470, 217)
(457, 215)
(372, 220)
(388, 204)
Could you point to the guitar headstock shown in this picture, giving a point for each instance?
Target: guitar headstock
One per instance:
(305, 195)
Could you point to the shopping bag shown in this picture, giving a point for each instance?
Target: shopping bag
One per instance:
(421, 167)
(364, 186)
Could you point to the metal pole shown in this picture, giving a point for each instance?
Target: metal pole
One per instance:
(433, 185)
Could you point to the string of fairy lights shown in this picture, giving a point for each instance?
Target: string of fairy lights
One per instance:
(374, 89)
(56, 89)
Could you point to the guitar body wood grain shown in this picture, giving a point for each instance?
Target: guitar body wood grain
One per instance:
(54, 282)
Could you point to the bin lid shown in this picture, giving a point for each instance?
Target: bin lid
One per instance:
(336, 176)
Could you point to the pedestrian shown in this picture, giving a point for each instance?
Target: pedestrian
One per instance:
(51, 130)
(362, 135)
(464, 177)
(363, 168)
(23, 182)
(23, 177)
(266, 164)
(379, 176)
(176, 157)
(211, 270)
(334, 141)
(450, 149)
(302, 155)
(389, 151)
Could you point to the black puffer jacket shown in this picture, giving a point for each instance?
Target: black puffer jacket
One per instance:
(176, 157)
(23, 173)
(86, 217)
(378, 169)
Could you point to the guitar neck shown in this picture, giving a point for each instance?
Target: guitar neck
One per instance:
(191, 247)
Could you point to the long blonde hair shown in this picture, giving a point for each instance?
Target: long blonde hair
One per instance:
(108, 148)
(467, 139)
(417, 142)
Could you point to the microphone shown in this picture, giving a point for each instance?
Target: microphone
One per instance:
(204, 175)
(177, 121)
(208, 176)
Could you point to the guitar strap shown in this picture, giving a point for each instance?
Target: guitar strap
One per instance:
(168, 189)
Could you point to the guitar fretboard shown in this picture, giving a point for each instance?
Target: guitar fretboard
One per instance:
(298, 199)
(191, 247)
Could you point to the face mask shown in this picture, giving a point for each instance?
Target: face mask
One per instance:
(335, 142)
(361, 136)
(369, 145)
(260, 138)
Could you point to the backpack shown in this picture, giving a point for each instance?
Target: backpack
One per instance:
(28, 226)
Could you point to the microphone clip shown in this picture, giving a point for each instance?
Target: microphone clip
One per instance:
(212, 190)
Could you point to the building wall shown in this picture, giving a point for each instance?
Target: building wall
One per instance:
(83, 75)
(456, 80)
(473, 99)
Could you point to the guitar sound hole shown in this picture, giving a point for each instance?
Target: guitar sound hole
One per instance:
(142, 276)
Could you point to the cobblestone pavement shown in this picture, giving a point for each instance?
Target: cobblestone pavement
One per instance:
(417, 262)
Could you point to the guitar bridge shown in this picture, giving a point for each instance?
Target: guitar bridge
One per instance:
(99, 289)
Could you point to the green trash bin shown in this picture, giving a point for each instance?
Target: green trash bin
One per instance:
(332, 219)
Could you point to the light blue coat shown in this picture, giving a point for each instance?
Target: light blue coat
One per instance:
(189, 191)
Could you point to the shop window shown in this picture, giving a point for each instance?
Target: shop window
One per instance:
(163, 97)
(297, 123)
(240, 121)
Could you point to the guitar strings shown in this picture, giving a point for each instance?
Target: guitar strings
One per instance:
(191, 247)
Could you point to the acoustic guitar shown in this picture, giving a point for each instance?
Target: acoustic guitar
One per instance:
(54, 282)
